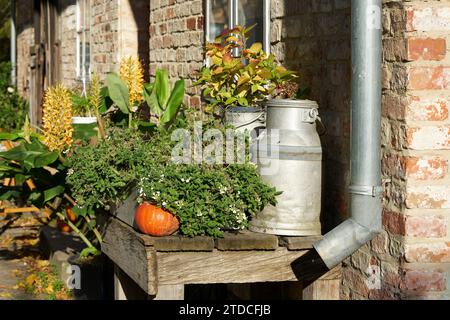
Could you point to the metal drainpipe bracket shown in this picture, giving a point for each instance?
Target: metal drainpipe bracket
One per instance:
(373, 191)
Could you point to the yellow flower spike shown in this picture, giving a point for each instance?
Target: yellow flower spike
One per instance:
(57, 118)
(132, 73)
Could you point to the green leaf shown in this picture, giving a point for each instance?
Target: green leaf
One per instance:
(9, 136)
(162, 87)
(80, 212)
(45, 159)
(9, 194)
(18, 153)
(106, 101)
(34, 196)
(118, 92)
(243, 102)
(51, 193)
(151, 99)
(86, 252)
(174, 103)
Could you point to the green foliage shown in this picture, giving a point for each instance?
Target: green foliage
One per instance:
(207, 199)
(118, 92)
(32, 160)
(161, 101)
(243, 79)
(99, 175)
(13, 108)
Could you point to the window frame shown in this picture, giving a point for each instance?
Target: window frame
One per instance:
(83, 73)
(233, 7)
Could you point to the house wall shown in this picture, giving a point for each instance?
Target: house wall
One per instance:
(67, 33)
(176, 41)
(411, 256)
(105, 38)
(25, 39)
(313, 38)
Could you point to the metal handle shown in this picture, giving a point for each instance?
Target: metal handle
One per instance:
(251, 121)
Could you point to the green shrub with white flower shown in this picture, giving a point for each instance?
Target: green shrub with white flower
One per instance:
(208, 199)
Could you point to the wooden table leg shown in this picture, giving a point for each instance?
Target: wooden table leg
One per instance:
(125, 288)
(172, 292)
(322, 290)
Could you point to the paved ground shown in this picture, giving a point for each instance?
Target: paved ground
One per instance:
(18, 241)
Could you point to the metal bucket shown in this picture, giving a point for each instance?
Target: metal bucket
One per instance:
(289, 157)
(246, 118)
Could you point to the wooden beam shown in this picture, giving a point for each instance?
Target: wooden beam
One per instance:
(226, 266)
(124, 248)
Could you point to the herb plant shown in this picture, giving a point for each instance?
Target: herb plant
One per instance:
(207, 199)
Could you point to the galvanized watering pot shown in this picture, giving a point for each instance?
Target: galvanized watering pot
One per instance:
(289, 157)
(246, 118)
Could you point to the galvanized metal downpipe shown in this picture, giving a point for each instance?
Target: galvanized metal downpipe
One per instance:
(365, 189)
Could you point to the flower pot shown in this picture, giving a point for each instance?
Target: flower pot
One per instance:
(84, 128)
(289, 157)
(245, 118)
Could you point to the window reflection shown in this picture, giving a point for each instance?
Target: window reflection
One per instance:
(219, 18)
(249, 12)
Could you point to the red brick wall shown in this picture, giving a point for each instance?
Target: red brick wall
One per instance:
(176, 41)
(413, 251)
(313, 38)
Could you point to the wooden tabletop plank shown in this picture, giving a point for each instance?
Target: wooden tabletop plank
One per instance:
(247, 240)
(178, 243)
(299, 243)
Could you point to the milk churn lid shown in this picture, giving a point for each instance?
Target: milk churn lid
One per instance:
(291, 103)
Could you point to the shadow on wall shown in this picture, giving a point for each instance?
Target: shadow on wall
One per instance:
(313, 38)
(141, 13)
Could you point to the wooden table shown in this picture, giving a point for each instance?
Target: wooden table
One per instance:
(158, 268)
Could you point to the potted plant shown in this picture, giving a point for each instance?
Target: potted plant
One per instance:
(239, 79)
(86, 107)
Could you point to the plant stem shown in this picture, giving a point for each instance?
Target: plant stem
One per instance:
(101, 127)
(130, 119)
(88, 220)
(77, 231)
(94, 229)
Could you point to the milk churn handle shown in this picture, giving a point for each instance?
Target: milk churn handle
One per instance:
(251, 121)
(315, 115)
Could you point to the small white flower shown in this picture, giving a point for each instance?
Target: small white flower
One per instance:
(10, 90)
(164, 203)
(70, 172)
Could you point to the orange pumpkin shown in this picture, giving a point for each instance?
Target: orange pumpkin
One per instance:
(155, 221)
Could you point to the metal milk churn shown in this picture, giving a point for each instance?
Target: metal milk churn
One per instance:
(289, 157)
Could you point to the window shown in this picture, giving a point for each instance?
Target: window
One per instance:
(83, 40)
(223, 14)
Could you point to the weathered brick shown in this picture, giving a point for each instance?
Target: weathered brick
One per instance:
(427, 226)
(191, 23)
(394, 222)
(428, 197)
(418, 280)
(430, 18)
(427, 168)
(427, 252)
(426, 109)
(426, 49)
(428, 138)
(429, 78)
